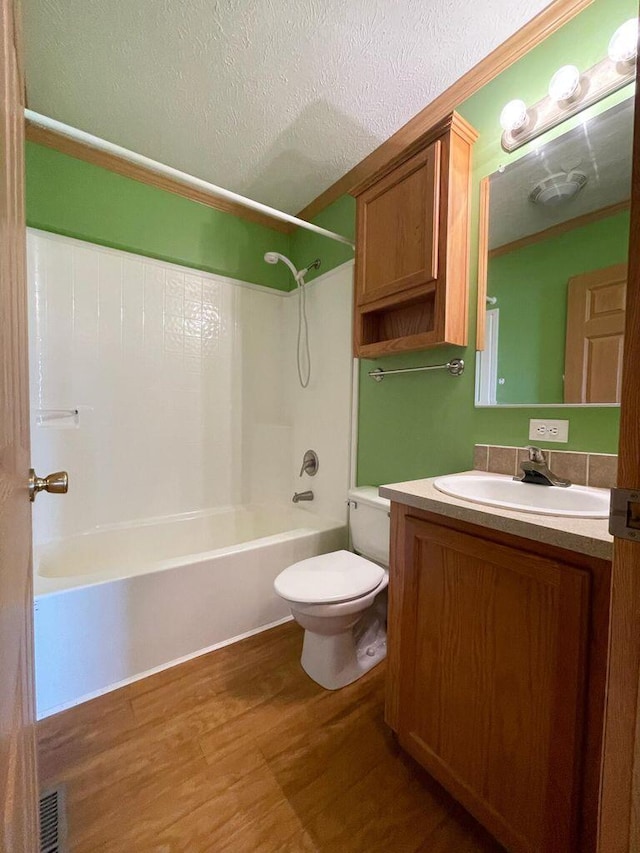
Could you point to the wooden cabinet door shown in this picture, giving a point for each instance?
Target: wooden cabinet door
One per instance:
(491, 681)
(398, 229)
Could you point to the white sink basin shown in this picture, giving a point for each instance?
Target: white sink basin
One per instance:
(502, 491)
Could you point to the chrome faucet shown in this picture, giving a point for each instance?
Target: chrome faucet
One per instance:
(302, 496)
(536, 470)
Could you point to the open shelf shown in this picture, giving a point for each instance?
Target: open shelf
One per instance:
(388, 324)
(411, 280)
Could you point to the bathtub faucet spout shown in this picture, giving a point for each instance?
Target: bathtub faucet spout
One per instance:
(302, 496)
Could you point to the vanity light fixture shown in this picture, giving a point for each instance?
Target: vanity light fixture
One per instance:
(514, 116)
(571, 91)
(565, 84)
(623, 46)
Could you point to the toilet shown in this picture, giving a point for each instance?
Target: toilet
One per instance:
(340, 598)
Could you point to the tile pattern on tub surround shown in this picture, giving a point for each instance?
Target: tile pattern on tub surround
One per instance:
(155, 357)
(584, 469)
(186, 386)
(321, 413)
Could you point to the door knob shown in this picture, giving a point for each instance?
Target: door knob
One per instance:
(57, 484)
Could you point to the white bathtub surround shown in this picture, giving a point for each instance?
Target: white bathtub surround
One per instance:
(186, 421)
(321, 413)
(156, 358)
(185, 387)
(264, 398)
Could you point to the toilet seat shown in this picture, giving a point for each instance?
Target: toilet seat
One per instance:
(327, 578)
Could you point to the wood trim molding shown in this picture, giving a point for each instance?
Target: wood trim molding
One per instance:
(113, 163)
(537, 30)
(561, 228)
(453, 122)
(483, 263)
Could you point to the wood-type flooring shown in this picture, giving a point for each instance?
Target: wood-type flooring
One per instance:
(238, 750)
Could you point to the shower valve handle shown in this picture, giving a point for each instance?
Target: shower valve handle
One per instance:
(310, 463)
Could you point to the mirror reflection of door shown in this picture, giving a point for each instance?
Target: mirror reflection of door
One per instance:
(557, 239)
(595, 336)
(487, 367)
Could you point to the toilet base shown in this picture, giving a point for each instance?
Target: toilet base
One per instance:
(335, 660)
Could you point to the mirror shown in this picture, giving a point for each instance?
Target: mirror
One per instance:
(555, 252)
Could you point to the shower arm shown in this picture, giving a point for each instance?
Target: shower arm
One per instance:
(175, 174)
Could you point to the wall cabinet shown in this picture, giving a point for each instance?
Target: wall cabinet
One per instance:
(412, 246)
(495, 680)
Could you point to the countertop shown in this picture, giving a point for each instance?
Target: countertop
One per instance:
(585, 535)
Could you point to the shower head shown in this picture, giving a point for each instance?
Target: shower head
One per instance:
(303, 326)
(274, 257)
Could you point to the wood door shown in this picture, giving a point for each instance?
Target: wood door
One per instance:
(18, 785)
(619, 819)
(595, 336)
(494, 644)
(398, 228)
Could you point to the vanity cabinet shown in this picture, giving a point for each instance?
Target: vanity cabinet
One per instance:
(496, 675)
(412, 246)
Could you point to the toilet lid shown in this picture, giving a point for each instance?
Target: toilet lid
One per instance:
(338, 576)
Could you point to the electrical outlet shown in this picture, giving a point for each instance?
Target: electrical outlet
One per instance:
(544, 430)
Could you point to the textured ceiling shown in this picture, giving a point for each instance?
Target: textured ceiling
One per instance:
(275, 99)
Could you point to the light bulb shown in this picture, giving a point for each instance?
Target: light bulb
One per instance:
(623, 46)
(565, 83)
(514, 116)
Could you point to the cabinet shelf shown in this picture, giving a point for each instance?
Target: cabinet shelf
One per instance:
(412, 246)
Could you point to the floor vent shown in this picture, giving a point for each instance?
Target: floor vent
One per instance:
(53, 824)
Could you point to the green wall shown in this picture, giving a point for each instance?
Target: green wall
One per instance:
(339, 217)
(413, 426)
(422, 425)
(530, 285)
(80, 200)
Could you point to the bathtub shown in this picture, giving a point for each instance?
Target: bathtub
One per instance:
(124, 601)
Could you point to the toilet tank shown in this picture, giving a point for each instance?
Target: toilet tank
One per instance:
(369, 523)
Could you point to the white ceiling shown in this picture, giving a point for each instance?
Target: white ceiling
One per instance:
(276, 100)
(601, 149)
